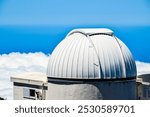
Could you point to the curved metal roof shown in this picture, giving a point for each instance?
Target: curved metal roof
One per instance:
(91, 54)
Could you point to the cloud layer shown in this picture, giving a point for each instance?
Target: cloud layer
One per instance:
(15, 63)
(142, 67)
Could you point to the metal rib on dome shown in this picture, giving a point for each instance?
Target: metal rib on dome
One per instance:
(90, 32)
(91, 54)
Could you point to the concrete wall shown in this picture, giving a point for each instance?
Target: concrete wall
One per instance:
(18, 93)
(92, 90)
(73, 92)
(123, 90)
(145, 89)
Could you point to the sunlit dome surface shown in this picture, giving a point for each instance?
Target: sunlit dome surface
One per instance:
(91, 54)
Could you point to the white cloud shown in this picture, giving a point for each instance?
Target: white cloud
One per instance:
(142, 67)
(15, 63)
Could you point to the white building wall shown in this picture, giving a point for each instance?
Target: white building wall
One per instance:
(73, 92)
(124, 90)
(18, 93)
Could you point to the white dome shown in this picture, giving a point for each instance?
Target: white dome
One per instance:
(91, 54)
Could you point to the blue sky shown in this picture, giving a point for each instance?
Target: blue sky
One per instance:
(72, 12)
(35, 25)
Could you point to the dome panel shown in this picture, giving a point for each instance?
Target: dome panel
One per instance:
(84, 54)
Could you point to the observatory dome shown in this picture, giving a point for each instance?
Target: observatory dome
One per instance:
(91, 54)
